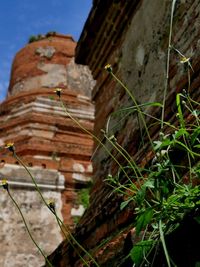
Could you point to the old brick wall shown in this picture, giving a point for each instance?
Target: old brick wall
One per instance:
(133, 37)
(53, 147)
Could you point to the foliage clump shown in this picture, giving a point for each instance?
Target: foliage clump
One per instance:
(38, 37)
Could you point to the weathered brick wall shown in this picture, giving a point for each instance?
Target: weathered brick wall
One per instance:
(133, 37)
(54, 148)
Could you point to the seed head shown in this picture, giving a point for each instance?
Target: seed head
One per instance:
(108, 67)
(58, 91)
(184, 60)
(4, 184)
(51, 204)
(10, 146)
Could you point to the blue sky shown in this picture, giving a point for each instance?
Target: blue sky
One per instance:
(19, 19)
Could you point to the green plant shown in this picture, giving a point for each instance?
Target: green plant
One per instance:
(32, 38)
(166, 190)
(158, 190)
(35, 38)
(83, 197)
(51, 33)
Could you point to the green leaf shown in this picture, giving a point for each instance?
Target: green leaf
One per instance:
(143, 220)
(157, 144)
(181, 132)
(194, 135)
(164, 143)
(149, 184)
(139, 251)
(196, 112)
(140, 195)
(181, 118)
(124, 204)
(152, 104)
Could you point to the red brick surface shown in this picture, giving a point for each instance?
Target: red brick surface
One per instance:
(44, 136)
(26, 60)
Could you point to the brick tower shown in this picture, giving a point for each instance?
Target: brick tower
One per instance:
(55, 149)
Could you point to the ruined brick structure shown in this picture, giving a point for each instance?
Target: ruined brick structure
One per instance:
(55, 149)
(133, 37)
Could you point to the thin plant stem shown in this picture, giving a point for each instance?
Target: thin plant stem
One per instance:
(130, 159)
(33, 179)
(189, 159)
(124, 156)
(189, 79)
(191, 108)
(197, 119)
(196, 103)
(76, 242)
(164, 123)
(40, 193)
(27, 228)
(122, 189)
(93, 136)
(136, 105)
(162, 238)
(149, 252)
(60, 223)
(180, 113)
(167, 68)
(192, 153)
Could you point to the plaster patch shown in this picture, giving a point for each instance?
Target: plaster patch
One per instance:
(77, 167)
(78, 212)
(1, 142)
(80, 177)
(47, 51)
(89, 168)
(139, 57)
(16, 246)
(55, 74)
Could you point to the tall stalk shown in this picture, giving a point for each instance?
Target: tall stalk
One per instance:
(168, 62)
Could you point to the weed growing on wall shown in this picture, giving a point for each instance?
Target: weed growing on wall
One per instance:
(165, 189)
(38, 37)
(167, 185)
